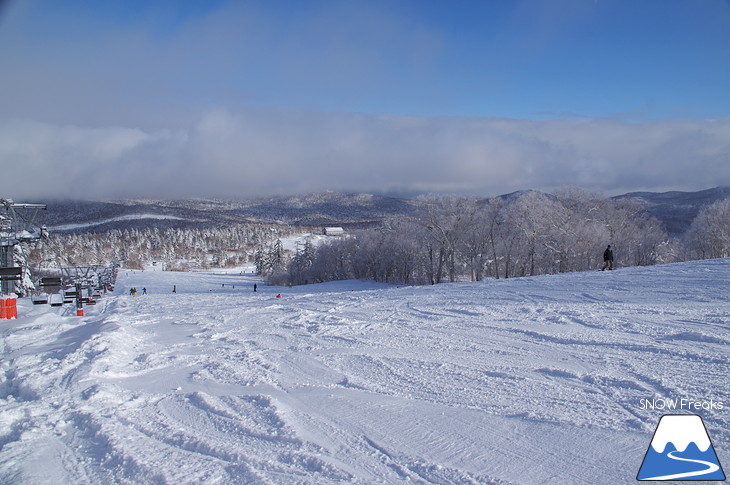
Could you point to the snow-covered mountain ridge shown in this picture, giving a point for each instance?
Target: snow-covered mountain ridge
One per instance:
(675, 210)
(329, 208)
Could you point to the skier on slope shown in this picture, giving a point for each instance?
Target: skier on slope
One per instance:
(607, 259)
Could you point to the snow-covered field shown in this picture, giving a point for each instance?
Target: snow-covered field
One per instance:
(540, 380)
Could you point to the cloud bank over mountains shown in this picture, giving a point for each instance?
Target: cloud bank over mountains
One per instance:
(263, 151)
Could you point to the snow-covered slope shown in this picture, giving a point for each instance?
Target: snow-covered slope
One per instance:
(128, 217)
(526, 381)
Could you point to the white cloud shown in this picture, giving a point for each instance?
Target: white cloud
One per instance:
(224, 153)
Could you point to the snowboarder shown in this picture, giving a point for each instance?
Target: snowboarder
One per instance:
(607, 259)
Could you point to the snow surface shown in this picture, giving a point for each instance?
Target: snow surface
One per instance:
(128, 217)
(522, 381)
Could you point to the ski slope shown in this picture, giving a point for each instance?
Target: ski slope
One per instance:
(127, 217)
(522, 381)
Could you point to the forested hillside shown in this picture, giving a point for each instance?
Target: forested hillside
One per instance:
(429, 240)
(171, 249)
(457, 238)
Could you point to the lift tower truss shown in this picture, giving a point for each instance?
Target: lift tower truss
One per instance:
(17, 224)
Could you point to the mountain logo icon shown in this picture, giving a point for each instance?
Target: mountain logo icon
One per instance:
(681, 450)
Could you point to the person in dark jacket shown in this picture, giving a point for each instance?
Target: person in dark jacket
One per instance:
(607, 259)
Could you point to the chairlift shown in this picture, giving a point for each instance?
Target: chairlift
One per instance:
(11, 273)
(46, 282)
(41, 299)
(56, 300)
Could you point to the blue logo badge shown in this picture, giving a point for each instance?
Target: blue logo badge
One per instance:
(680, 450)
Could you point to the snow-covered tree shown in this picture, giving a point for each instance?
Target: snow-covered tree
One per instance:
(25, 285)
(709, 234)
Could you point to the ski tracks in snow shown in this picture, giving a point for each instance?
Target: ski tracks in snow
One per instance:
(535, 380)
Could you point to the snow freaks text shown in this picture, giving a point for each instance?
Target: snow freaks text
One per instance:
(680, 404)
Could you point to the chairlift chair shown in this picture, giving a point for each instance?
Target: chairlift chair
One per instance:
(56, 300)
(12, 273)
(69, 296)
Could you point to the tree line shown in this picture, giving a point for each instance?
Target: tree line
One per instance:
(461, 238)
(174, 249)
(448, 239)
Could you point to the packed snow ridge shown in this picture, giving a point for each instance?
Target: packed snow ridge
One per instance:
(537, 380)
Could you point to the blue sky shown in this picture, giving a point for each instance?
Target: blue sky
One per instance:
(461, 96)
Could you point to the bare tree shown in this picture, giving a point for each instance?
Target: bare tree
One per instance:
(445, 218)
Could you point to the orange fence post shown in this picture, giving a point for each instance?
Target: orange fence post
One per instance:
(8, 308)
(12, 308)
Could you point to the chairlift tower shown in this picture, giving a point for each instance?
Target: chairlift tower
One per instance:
(82, 278)
(17, 224)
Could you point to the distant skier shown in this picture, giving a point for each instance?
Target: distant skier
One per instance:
(255, 287)
(174, 288)
(144, 291)
(607, 259)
